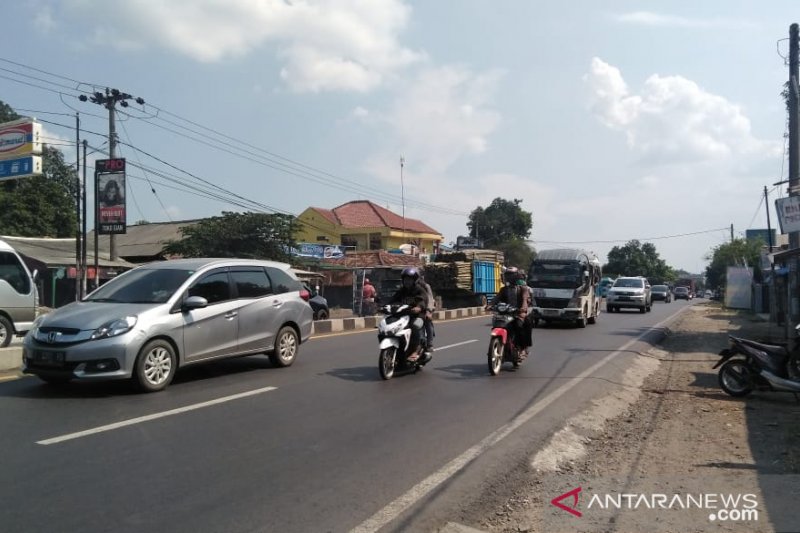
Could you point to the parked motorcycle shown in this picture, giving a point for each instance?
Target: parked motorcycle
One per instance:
(749, 365)
(394, 335)
(501, 346)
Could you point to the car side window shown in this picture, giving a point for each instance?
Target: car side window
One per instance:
(214, 287)
(251, 283)
(12, 271)
(282, 282)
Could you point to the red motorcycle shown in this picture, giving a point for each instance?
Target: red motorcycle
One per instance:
(501, 346)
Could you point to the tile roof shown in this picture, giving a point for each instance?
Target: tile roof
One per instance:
(366, 214)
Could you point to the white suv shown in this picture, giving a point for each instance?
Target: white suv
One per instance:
(629, 292)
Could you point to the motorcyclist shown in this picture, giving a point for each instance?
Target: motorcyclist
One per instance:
(516, 293)
(411, 293)
(427, 319)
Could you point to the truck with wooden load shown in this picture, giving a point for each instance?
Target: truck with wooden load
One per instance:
(468, 278)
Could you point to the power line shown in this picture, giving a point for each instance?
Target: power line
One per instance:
(631, 239)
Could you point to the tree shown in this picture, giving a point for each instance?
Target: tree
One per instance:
(502, 222)
(246, 235)
(637, 259)
(41, 206)
(739, 252)
(517, 253)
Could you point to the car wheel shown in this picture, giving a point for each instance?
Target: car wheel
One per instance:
(6, 332)
(286, 346)
(643, 309)
(155, 366)
(322, 314)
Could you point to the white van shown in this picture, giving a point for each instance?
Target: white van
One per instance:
(19, 298)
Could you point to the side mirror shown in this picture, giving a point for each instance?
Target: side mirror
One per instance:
(194, 302)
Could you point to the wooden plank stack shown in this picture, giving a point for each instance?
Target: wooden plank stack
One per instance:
(452, 275)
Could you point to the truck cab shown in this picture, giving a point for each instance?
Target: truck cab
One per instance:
(19, 299)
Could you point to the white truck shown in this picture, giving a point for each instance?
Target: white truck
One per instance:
(564, 284)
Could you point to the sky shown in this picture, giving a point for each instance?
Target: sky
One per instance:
(610, 121)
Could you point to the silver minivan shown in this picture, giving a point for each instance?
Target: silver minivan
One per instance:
(19, 298)
(156, 318)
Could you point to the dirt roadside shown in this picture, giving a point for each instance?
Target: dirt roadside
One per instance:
(680, 441)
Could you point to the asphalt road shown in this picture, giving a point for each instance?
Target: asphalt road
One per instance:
(324, 445)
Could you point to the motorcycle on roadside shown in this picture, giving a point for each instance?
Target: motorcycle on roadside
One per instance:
(749, 365)
(501, 344)
(394, 335)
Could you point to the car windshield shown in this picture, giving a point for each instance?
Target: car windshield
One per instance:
(659, 288)
(555, 275)
(142, 286)
(636, 283)
(681, 289)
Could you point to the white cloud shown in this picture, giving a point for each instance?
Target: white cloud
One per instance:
(348, 45)
(43, 19)
(649, 18)
(439, 116)
(673, 120)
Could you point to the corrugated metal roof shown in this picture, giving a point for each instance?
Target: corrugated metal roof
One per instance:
(59, 252)
(146, 240)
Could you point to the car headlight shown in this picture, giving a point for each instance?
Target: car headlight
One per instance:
(575, 302)
(112, 328)
(37, 322)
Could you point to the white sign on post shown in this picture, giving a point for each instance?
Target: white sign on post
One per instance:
(788, 213)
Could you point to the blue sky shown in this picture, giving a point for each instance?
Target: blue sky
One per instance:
(610, 120)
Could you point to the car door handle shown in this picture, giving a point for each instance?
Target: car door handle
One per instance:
(231, 314)
(276, 303)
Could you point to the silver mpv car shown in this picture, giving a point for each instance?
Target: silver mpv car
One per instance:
(156, 318)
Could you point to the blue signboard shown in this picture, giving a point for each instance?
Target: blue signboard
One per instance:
(20, 167)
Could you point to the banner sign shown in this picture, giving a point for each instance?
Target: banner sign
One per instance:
(20, 138)
(788, 210)
(21, 167)
(319, 251)
(109, 176)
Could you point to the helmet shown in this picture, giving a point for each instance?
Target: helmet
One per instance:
(511, 275)
(410, 272)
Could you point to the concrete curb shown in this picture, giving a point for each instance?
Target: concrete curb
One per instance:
(11, 357)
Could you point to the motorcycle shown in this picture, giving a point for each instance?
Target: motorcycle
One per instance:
(501, 346)
(760, 367)
(394, 336)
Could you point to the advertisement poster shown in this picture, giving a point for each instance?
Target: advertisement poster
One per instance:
(111, 203)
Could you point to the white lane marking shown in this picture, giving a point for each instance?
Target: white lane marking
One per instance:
(427, 485)
(456, 344)
(154, 416)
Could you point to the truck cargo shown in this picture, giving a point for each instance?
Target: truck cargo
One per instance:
(467, 278)
(689, 283)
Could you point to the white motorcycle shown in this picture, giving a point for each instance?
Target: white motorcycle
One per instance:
(394, 336)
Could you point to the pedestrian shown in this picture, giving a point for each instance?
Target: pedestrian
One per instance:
(368, 299)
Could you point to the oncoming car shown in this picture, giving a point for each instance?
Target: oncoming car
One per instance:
(682, 293)
(156, 318)
(632, 292)
(661, 292)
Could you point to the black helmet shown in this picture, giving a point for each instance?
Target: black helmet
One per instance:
(410, 272)
(511, 275)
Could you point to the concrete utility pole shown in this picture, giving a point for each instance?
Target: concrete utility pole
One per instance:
(109, 101)
(794, 127)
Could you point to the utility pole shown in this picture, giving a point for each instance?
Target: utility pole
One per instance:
(403, 196)
(731, 232)
(84, 258)
(78, 236)
(794, 127)
(109, 101)
(772, 293)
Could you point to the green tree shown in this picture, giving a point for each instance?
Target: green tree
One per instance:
(517, 253)
(501, 222)
(739, 252)
(637, 259)
(246, 235)
(41, 206)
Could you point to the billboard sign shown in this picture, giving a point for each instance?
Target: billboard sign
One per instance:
(21, 167)
(20, 138)
(109, 175)
(319, 251)
(788, 210)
